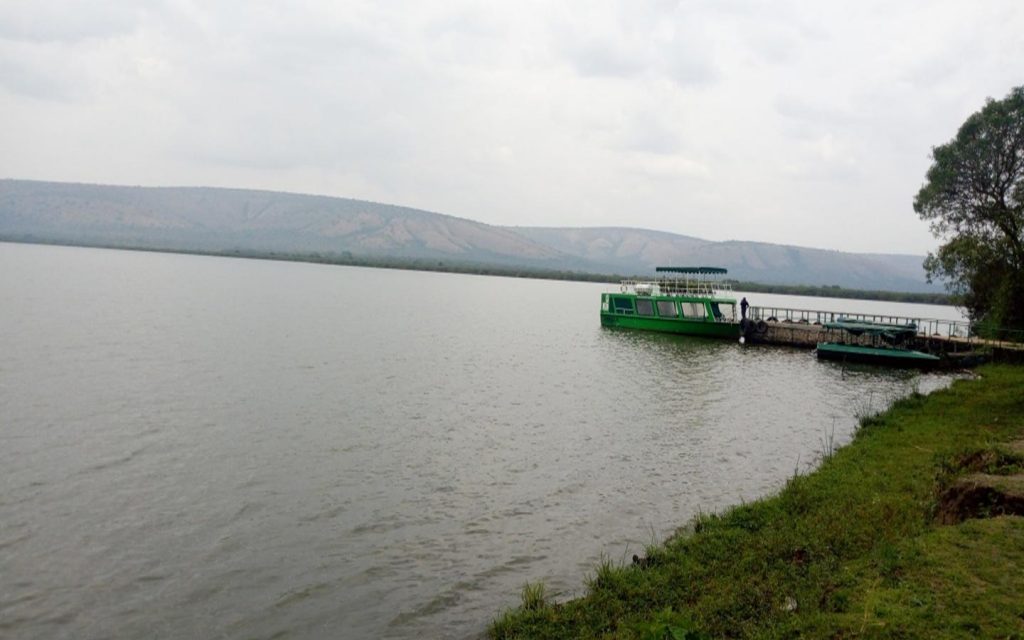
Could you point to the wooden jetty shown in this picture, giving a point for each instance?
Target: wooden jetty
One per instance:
(949, 339)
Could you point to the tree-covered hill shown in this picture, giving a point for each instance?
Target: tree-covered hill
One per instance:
(252, 221)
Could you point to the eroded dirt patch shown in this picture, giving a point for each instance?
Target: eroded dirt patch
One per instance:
(982, 495)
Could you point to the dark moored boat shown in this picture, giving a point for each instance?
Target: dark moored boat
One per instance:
(873, 343)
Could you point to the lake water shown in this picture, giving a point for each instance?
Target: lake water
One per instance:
(220, 448)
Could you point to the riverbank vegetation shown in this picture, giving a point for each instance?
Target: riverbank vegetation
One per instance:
(835, 291)
(974, 200)
(346, 258)
(869, 545)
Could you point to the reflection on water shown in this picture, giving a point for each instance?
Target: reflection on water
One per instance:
(198, 447)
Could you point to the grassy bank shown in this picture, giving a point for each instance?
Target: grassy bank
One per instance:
(854, 549)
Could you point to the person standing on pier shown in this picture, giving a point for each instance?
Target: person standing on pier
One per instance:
(743, 308)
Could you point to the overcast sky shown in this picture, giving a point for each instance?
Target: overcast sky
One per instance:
(804, 123)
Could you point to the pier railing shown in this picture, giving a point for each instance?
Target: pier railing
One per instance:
(927, 327)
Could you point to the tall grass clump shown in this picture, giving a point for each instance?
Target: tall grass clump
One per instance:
(828, 443)
(534, 596)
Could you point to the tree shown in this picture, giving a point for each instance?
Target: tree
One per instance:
(974, 200)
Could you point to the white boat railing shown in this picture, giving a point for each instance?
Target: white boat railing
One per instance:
(675, 287)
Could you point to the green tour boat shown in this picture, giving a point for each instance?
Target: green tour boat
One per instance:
(873, 343)
(692, 302)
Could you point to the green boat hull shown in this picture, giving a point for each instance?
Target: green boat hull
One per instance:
(707, 325)
(682, 327)
(885, 356)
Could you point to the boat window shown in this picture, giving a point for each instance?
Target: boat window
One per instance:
(693, 310)
(644, 307)
(622, 305)
(723, 311)
(667, 309)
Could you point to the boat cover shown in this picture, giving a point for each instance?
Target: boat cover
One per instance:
(701, 270)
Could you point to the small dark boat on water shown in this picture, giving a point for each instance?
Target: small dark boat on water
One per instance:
(873, 343)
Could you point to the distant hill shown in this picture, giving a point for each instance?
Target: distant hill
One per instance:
(210, 219)
(631, 249)
(197, 218)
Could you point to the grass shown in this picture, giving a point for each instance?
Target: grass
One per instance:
(851, 550)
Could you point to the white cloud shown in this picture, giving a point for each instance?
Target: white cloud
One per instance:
(66, 20)
(776, 121)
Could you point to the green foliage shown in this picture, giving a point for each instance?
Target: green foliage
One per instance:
(534, 596)
(667, 625)
(974, 198)
(533, 601)
(992, 460)
(606, 575)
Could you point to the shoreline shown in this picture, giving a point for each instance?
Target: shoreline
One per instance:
(863, 545)
(436, 266)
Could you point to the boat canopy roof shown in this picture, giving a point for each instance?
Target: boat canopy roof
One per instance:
(859, 327)
(700, 270)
